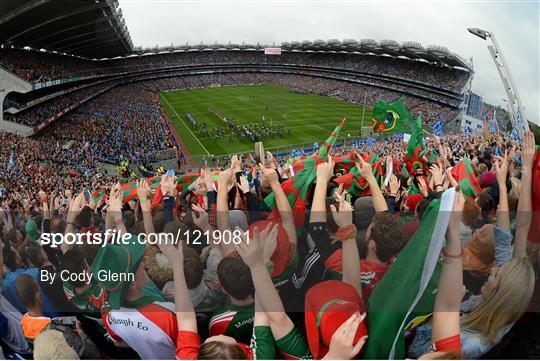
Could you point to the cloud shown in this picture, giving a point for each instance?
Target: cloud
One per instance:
(515, 24)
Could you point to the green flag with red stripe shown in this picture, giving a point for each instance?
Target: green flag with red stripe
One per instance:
(328, 143)
(464, 175)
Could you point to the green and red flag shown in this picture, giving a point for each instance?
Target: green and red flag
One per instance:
(354, 183)
(328, 143)
(391, 118)
(98, 195)
(416, 148)
(296, 188)
(414, 276)
(464, 175)
(43, 167)
(416, 143)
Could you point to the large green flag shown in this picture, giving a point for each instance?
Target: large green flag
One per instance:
(416, 143)
(408, 288)
(391, 118)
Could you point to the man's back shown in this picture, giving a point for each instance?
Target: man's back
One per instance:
(150, 330)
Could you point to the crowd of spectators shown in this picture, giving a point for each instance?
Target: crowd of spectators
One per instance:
(39, 66)
(46, 110)
(321, 280)
(124, 123)
(358, 93)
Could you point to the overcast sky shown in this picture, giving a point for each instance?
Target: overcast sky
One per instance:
(515, 24)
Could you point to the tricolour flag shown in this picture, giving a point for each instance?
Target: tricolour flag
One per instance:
(414, 277)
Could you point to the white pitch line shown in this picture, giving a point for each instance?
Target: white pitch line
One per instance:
(184, 124)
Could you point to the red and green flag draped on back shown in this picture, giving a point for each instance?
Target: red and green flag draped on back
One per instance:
(391, 118)
(296, 188)
(464, 175)
(414, 276)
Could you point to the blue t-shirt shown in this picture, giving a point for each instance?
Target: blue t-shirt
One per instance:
(10, 291)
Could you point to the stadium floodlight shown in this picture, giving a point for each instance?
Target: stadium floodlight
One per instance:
(479, 32)
(517, 111)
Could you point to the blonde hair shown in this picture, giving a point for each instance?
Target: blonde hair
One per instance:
(506, 304)
(51, 345)
(216, 350)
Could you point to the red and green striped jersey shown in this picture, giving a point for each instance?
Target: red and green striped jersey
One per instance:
(235, 321)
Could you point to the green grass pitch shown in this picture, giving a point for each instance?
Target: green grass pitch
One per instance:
(309, 117)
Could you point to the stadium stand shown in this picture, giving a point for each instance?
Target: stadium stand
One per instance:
(332, 231)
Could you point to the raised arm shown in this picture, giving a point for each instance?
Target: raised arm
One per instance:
(222, 216)
(270, 176)
(448, 300)
(364, 168)
(75, 206)
(318, 207)
(252, 252)
(501, 171)
(524, 211)
(115, 208)
(185, 313)
(347, 235)
(143, 192)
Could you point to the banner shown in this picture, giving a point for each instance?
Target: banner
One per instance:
(272, 51)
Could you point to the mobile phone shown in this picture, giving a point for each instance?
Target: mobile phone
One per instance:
(259, 153)
(87, 195)
(68, 321)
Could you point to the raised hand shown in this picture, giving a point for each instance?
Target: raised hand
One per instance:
(436, 174)
(115, 199)
(270, 242)
(325, 170)
(364, 168)
(342, 345)
(174, 252)
(167, 185)
(236, 163)
(244, 184)
(143, 190)
(224, 178)
(76, 204)
(344, 216)
(528, 151)
(394, 185)
(268, 175)
(252, 249)
(200, 217)
(501, 168)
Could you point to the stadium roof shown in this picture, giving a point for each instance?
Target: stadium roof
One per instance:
(87, 28)
(411, 50)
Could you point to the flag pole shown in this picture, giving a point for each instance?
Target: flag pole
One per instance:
(363, 112)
